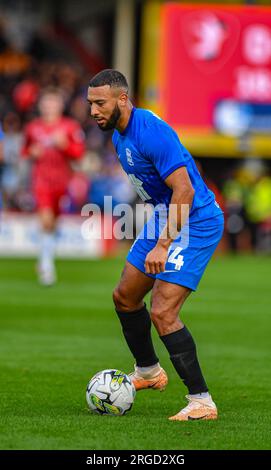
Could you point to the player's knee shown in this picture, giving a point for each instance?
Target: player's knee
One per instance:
(116, 297)
(48, 226)
(47, 219)
(124, 301)
(159, 315)
(164, 319)
(120, 299)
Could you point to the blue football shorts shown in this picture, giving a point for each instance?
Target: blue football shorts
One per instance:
(188, 254)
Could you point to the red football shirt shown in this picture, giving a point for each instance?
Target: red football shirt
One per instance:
(52, 171)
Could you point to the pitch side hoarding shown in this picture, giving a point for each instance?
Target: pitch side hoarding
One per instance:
(213, 77)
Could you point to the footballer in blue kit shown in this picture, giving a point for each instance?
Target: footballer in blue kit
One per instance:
(149, 151)
(174, 247)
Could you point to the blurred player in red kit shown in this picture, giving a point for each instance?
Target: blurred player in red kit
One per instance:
(51, 142)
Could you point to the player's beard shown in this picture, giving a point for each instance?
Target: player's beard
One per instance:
(112, 121)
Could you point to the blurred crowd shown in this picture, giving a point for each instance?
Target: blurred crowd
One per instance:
(23, 78)
(247, 199)
(243, 190)
(244, 193)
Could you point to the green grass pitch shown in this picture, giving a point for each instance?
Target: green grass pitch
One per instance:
(52, 340)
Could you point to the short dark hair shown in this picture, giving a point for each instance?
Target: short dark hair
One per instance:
(110, 77)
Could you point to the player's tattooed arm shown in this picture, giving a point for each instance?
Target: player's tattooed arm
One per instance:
(181, 201)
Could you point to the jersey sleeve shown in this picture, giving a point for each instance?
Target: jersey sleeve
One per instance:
(76, 141)
(27, 140)
(162, 146)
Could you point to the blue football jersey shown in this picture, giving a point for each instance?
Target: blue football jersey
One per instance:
(149, 150)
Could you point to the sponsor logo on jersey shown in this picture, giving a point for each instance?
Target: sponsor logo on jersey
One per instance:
(129, 157)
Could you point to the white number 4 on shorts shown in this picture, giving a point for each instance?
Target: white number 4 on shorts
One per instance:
(176, 258)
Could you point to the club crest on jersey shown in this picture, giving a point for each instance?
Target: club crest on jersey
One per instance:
(129, 157)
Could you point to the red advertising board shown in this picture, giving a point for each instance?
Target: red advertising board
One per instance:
(215, 68)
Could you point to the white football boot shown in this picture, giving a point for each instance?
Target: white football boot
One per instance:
(197, 408)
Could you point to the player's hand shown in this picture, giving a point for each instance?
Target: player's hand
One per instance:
(60, 140)
(35, 151)
(156, 259)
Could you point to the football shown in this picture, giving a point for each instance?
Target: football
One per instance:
(110, 392)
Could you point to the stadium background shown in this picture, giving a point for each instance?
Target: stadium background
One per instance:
(52, 341)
